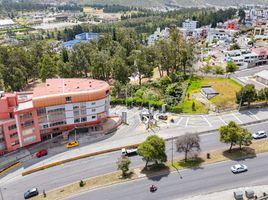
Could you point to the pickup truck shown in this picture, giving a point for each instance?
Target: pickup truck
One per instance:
(129, 151)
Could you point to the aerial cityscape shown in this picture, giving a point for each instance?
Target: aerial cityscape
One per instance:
(133, 99)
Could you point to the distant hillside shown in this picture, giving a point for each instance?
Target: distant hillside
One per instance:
(182, 3)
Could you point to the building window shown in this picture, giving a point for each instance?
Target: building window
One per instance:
(30, 139)
(41, 111)
(93, 117)
(68, 99)
(83, 105)
(13, 135)
(26, 115)
(27, 123)
(83, 112)
(93, 110)
(1, 139)
(15, 143)
(77, 120)
(83, 119)
(28, 131)
(76, 113)
(57, 123)
(11, 127)
(75, 107)
(93, 103)
(2, 146)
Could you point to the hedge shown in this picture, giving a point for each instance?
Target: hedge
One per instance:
(136, 102)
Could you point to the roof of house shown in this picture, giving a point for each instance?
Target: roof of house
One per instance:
(71, 43)
(263, 74)
(4, 22)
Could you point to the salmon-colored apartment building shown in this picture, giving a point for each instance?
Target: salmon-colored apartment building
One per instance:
(51, 109)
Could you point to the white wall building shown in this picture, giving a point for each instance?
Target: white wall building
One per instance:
(5, 23)
(158, 35)
(189, 25)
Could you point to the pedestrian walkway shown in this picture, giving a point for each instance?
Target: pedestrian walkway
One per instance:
(229, 194)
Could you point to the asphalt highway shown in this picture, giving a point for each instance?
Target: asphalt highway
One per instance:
(14, 187)
(186, 183)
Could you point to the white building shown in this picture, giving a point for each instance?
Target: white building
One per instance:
(158, 35)
(189, 25)
(220, 34)
(5, 23)
(245, 58)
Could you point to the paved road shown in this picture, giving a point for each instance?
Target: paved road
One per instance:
(89, 167)
(209, 178)
(183, 124)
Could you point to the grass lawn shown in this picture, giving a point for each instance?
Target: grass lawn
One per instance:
(226, 87)
(199, 107)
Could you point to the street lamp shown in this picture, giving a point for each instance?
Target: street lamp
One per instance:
(1, 194)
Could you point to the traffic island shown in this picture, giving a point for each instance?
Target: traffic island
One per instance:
(87, 184)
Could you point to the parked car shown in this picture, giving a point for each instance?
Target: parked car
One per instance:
(238, 168)
(129, 151)
(163, 117)
(259, 135)
(72, 144)
(31, 193)
(41, 153)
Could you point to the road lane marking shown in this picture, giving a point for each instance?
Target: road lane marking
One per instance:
(237, 118)
(210, 125)
(179, 121)
(186, 124)
(256, 117)
(222, 120)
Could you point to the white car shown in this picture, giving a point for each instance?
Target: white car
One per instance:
(259, 135)
(239, 168)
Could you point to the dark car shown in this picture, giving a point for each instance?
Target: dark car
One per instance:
(42, 152)
(31, 193)
(163, 117)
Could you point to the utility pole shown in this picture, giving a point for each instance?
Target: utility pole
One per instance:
(2, 197)
(126, 96)
(172, 151)
(74, 133)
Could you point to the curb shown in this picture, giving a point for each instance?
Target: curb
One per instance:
(10, 167)
(112, 150)
(75, 158)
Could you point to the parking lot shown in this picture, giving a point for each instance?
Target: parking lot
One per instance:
(215, 121)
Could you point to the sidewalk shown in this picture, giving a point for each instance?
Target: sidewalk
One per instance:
(229, 194)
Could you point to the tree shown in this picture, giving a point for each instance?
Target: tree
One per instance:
(193, 106)
(247, 94)
(234, 46)
(229, 134)
(123, 165)
(188, 143)
(244, 137)
(231, 67)
(263, 94)
(153, 150)
(233, 134)
(242, 15)
(47, 68)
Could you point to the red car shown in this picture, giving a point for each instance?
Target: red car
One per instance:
(41, 153)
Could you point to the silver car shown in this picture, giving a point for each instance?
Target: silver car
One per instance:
(259, 135)
(238, 168)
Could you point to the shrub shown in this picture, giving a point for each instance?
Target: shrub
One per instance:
(175, 109)
(82, 183)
